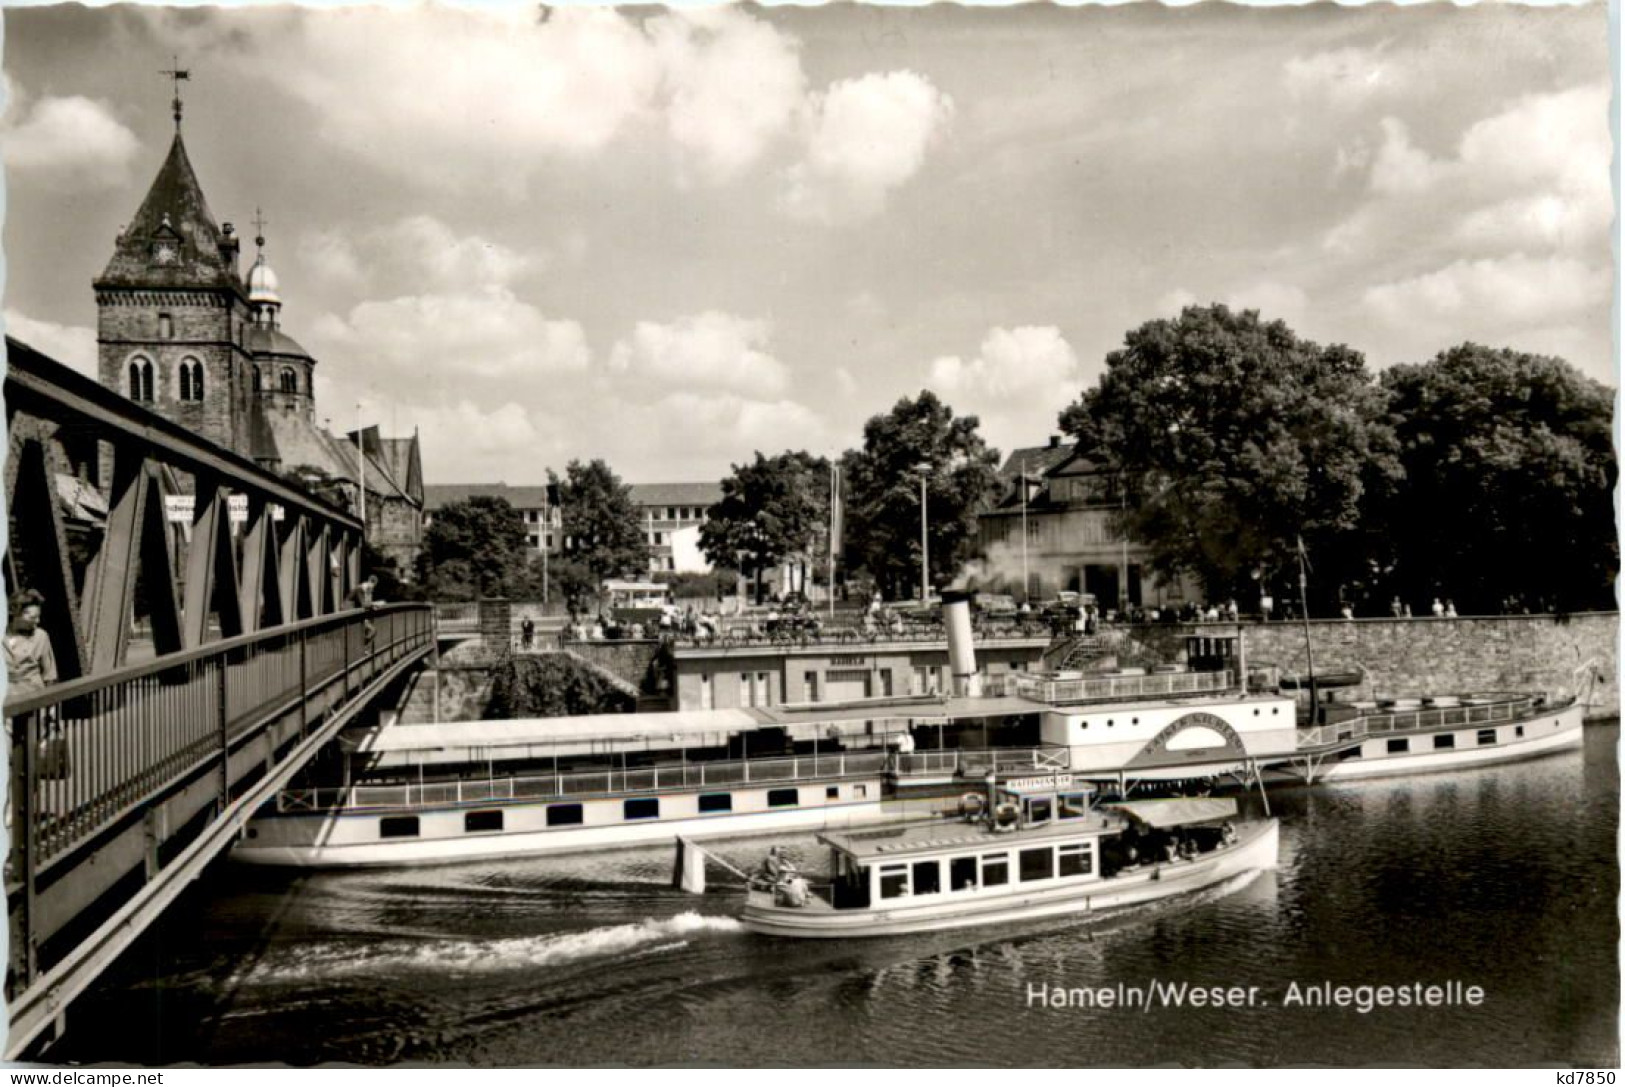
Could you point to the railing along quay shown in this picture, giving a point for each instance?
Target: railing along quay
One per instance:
(114, 777)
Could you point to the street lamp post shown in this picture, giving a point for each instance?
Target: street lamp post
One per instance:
(925, 553)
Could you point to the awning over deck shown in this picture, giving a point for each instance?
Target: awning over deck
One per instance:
(1161, 814)
(696, 728)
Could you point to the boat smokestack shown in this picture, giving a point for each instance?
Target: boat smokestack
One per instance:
(961, 648)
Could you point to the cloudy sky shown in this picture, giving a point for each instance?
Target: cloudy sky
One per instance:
(672, 239)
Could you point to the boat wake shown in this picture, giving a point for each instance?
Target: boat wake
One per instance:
(474, 956)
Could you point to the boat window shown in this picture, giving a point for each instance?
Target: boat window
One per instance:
(783, 798)
(1520, 730)
(1077, 859)
(995, 869)
(1446, 739)
(643, 807)
(1073, 805)
(1486, 736)
(832, 792)
(482, 820)
(1038, 810)
(710, 802)
(927, 877)
(563, 815)
(398, 826)
(1037, 864)
(893, 880)
(860, 792)
(1398, 747)
(962, 874)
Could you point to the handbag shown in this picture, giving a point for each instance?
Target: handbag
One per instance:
(51, 762)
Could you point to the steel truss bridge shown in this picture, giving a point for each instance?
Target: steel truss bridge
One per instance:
(204, 655)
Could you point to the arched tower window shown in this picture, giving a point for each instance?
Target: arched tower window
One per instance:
(290, 381)
(141, 380)
(191, 379)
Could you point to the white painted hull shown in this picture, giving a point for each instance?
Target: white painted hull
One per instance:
(324, 848)
(1258, 848)
(1542, 735)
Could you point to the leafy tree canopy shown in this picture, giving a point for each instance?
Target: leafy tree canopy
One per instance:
(1510, 468)
(600, 521)
(472, 548)
(882, 486)
(770, 509)
(1234, 437)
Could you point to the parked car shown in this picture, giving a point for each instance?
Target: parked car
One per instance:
(996, 606)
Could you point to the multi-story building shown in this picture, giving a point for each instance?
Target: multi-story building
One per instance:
(537, 506)
(670, 515)
(180, 330)
(1053, 525)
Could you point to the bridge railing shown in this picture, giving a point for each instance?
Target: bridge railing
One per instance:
(1379, 724)
(91, 755)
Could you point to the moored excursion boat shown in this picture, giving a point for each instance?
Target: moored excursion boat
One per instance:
(1044, 850)
(439, 793)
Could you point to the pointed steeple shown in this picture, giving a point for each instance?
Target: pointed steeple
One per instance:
(174, 241)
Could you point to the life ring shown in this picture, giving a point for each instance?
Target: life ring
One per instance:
(972, 805)
(1006, 816)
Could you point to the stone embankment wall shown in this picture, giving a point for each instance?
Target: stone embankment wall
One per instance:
(1439, 656)
(629, 661)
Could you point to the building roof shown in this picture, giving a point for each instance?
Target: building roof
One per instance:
(540, 496)
(273, 341)
(1037, 459)
(174, 214)
(677, 494)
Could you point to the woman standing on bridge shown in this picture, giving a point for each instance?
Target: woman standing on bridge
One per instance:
(30, 663)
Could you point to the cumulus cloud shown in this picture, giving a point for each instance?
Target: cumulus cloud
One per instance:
(77, 141)
(71, 345)
(707, 349)
(1481, 297)
(1012, 363)
(489, 333)
(423, 96)
(733, 85)
(1344, 78)
(1016, 385)
(868, 136)
(1400, 167)
(419, 251)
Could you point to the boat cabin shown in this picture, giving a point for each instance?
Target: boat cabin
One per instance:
(1038, 831)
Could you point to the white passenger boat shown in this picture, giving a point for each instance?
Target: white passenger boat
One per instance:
(416, 794)
(1043, 851)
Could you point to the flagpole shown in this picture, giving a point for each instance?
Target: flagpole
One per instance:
(834, 497)
(1308, 642)
(1026, 578)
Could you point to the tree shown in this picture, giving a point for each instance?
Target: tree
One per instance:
(1509, 476)
(770, 510)
(1234, 439)
(473, 548)
(600, 522)
(882, 486)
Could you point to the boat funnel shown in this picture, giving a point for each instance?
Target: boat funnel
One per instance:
(961, 648)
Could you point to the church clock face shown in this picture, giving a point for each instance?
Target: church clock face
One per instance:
(164, 254)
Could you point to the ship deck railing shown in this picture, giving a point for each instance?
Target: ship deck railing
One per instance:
(614, 781)
(1054, 691)
(1338, 733)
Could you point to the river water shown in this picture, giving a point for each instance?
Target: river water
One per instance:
(1504, 877)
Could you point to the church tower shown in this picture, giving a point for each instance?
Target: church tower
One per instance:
(172, 315)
